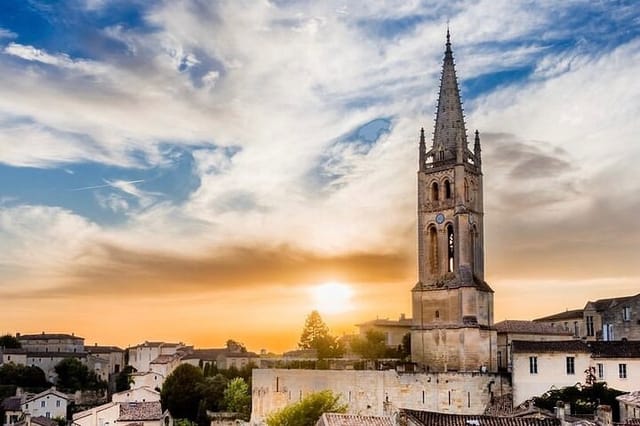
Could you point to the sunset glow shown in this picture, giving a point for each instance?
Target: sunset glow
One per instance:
(332, 297)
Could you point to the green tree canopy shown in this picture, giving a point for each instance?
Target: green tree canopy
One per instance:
(307, 411)
(237, 397)
(123, 379)
(372, 346)
(73, 375)
(182, 391)
(315, 335)
(9, 342)
(23, 376)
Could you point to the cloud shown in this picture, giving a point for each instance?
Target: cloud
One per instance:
(5, 33)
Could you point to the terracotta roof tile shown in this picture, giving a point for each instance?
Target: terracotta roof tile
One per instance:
(337, 419)
(522, 346)
(140, 411)
(569, 314)
(429, 418)
(528, 327)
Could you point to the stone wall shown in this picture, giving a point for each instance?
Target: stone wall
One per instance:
(377, 393)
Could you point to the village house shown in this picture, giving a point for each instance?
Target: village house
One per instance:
(51, 404)
(13, 356)
(510, 330)
(140, 394)
(124, 413)
(111, 359)
(394, 330)
(147, 379)
(11, 408)
(141, 356)
(540, 366)
(629, 407)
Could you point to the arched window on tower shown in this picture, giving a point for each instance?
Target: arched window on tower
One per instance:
(433, 250)
(447, 189)
(435, 191)
(450, 247)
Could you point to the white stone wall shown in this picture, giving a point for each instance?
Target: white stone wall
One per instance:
(103, 415)
(552, 371)
(49, 405)
(136, 395)
(612, 373)
(376, 393)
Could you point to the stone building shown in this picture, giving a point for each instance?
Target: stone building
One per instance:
(394, 330)
(570, 321)
(452, 304)
(629, 407)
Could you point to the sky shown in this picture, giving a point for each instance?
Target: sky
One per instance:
(191, 170)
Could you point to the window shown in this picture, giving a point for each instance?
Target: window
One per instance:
(607, 332)
(533, 365)
(622, 371)
(437, 314)
(590, 329)
(42, 404)
(600, 371)
(433, 250)
(450, 248)
(626, 313)
(57, 403)
(434, 191)
(447, 189)
(576, 329)
(571, 365)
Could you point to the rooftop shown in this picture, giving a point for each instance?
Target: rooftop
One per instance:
(430, 418)
(615, 349)
(163, 359)
(632, 398)
(95, 349)
(337, 419)
(528, 327)
(11, 403)
(566, 315)
(48, 336)
(604, 304)
(140, 411)
(522, 346)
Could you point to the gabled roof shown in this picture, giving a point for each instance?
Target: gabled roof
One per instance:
(11, 403)
(140, 411)
(205, 354)
(566, 315)
(144, 388)
(604, 304)
(163, 359)
(528, 327)
(525, 346)
(93, 410)
(430, 418)
(337, 419)
(51, 391)
(102, 349)
(632, 398)
(48, 336)
(43, 421)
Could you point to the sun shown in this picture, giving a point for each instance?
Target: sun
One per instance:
(332, 297)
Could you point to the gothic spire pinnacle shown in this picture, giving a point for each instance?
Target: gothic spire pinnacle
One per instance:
(422, 151)
(449, 134)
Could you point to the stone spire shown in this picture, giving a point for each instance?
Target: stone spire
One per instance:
(449, 136)
(477, 150)
(422, 151)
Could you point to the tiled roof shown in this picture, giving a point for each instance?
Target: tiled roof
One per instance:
(140, 411)
(205, 354)
(632, 398)
(615, 349)
(43, 421)
(522, 346)
(12, 351)
(528, 327)
(604, 304)
(430, 418)
(336, 419)
(229, 354)
(163, 359)
(102, 349)
(51, 391)
(11, 403)
(48, 336)
(568, 314)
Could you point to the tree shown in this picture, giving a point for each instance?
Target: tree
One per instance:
(182, 391)
(73, 375)
(22, 376)
(123, 379)
(9, 342)
(237, 398)
(583, 399)
(235, 346)
(405, 348)
(372, 346)
(212, 392)
(307, 411)
(315, 335)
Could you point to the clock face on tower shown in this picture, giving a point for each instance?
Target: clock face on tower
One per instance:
(439, 218)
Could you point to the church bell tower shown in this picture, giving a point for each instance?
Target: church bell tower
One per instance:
(452, 304)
